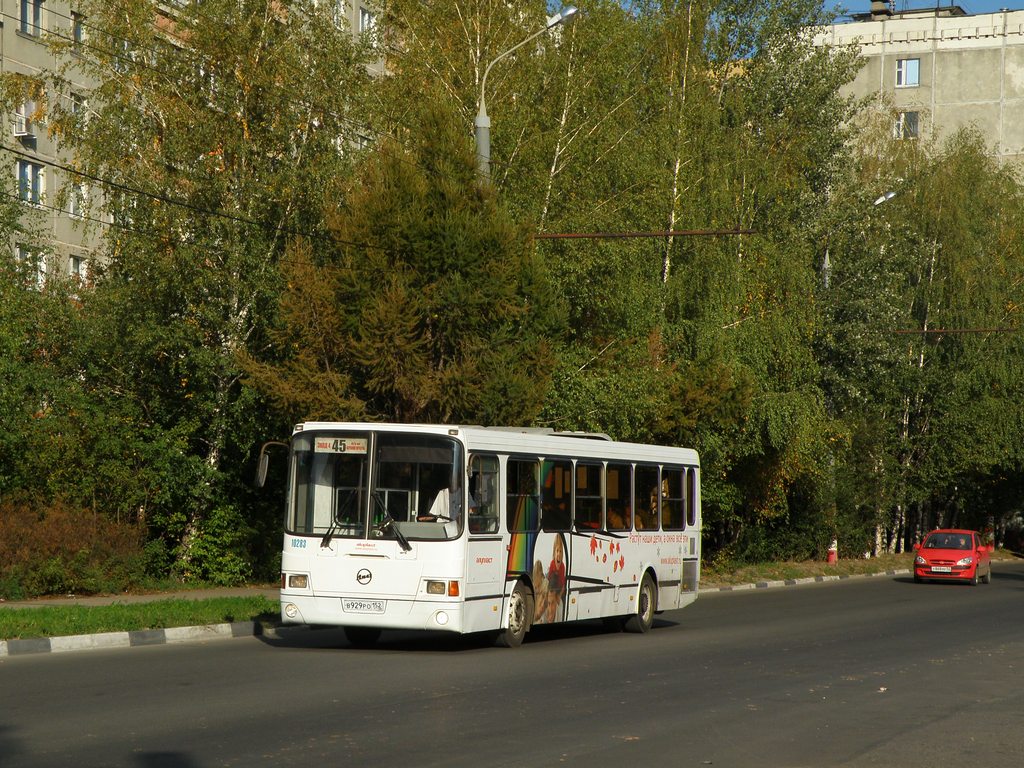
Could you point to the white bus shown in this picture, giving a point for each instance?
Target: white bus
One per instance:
(484, 529)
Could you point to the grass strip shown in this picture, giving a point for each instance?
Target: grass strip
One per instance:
(61, 621)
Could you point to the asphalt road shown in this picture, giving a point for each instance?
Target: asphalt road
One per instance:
(866, 672)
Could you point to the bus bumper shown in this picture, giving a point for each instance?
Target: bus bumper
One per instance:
(385, 613)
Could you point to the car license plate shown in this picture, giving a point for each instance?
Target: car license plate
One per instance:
(941, 569)
(350, 605)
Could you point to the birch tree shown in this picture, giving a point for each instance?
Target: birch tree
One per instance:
(212, 133)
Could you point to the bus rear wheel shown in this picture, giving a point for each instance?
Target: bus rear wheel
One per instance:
(647, 603)
(520, 612)
(362, 637)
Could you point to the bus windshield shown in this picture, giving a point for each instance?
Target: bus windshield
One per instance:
(356, 485)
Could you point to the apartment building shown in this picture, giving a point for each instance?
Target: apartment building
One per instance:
(942, 69)
(34, 158)
(56, 196)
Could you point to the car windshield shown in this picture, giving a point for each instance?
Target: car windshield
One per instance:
(948, 541)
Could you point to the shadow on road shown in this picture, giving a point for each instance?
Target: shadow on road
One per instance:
(166, 760)
(406, 641)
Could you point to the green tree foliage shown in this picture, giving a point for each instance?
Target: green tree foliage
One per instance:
(291, 238)
(664, 116)
(920, 357)
(208, 151)
(430, 306)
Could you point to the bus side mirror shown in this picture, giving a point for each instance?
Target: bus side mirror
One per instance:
(264, 461)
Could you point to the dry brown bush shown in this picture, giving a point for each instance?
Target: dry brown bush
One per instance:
(55, 548)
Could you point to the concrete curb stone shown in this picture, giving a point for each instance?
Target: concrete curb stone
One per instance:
(133, 639)
(805, 580)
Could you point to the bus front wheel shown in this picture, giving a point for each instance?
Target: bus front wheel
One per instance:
(520, 612)
(647, 603)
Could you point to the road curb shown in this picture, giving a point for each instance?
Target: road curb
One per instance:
(135, 639)
(798, 582)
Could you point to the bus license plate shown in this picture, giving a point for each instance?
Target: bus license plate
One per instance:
(941, 569)
(350, 605)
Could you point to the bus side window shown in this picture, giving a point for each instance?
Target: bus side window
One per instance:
(483, 494)
(672, 499)
(587, 496)
(556, 495)
(646, 495)
(522, 503)
(618, 493)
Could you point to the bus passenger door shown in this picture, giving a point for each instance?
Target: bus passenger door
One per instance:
(486, 549)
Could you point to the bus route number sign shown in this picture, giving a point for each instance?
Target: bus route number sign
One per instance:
(340, 445)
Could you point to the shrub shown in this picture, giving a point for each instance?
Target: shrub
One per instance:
(58, 549)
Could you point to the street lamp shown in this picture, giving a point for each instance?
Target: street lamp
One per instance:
(482, 123)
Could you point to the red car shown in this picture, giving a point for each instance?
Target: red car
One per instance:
(951, 554)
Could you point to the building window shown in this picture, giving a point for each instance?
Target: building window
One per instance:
(31, 182)
(339, 9)
(23, 119)
(122, 56)
(78, 34)
(33, 263)
(908, 73)
(78, 268)
(31, 17)
(366, 20)
(78, 193)
(906, 126)
(79, 104)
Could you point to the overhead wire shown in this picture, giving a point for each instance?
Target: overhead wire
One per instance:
(182, 203)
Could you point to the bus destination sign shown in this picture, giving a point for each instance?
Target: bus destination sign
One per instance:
(340, 445)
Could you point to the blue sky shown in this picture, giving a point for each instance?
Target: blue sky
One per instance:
(971, 6)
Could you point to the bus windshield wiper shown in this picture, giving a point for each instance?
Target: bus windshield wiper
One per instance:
(336, 521)
(389, 523)
(326, 540)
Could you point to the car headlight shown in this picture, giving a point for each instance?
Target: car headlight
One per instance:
(965, 561)
(920, 561)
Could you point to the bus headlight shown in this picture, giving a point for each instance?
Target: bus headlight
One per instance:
(441, 618)
(291, 611)
(450, 588)
(298, 581)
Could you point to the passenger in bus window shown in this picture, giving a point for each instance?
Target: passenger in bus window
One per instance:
(647, 519)
(616, 522)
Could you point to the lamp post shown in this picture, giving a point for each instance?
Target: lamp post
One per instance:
(482, 123)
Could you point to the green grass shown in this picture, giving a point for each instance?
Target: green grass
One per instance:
(57, 621)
